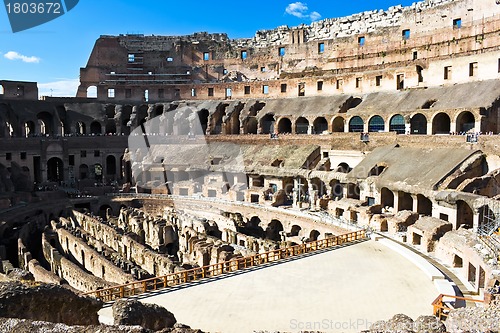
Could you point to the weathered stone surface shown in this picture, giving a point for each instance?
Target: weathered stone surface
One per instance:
(47, 303)
(9, 325)
(428, 324)
(474, 320)
(20, 275)
(150, 316)
(400, 323)
(180, 328)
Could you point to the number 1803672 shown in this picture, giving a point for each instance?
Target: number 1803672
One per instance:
(33, 8)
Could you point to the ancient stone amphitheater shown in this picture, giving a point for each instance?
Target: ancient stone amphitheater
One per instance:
(189, 162)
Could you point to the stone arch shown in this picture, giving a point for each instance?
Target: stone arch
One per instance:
(465, 215)
(386, 197)
(98, 172)
(377, 170)
(142, 114)
(441, 123)
(301, 126)
(356, 124)
(405, 201)
(251, 126)
(92, 92)
(253, 228)
(353, 191)
(217, 119)
(314, 235)
(319, 185)
(384, 227)
(295, 231)
(465, 122)
(111, 127)
(376, 124)
(343, 167)
(273, 230)
(55, 170)
(267, 124)
(29, 128)
(256, 108)
(320, 125)
(103, 211)
(46, 123)
(486, 215)
(418, 124)
(203, 116)
(80, 128)
(424, 205)
(397, 124)
(110, 111)
(125, 119)
(83, 171)
(350, 103)
(158, 110)
(337, 190)
(338, 125)
(95, 127)
(233, 123)
(111, 165)
(284, 125)
(9, 130)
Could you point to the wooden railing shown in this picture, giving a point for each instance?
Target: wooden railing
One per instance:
(210, 271)
(441, 309)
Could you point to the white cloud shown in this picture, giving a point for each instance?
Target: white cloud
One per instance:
(300, 10)
(297, 9)
(315, 16)
(12, 55)
(61, 88)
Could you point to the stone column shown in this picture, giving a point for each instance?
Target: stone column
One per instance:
(476, 220)
(453, 127)
(429, 126)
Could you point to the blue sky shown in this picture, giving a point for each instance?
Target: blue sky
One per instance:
(53, 53)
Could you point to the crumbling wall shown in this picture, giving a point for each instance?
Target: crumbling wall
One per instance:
(68, 271)
(91, 260)
(154, 263)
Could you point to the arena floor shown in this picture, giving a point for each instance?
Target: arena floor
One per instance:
(344, 290)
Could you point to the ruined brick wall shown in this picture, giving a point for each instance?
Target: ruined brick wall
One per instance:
(462, 250)
(18, 90)
(70, 272)
(91, 260)
(152, 262)
(414, 42)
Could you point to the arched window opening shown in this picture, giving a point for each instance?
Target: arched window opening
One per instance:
(267, 124)
(285, 126)
(338, 125)
(418, 124)
(320, 125)
(92, 92)
(95, 128)
(356, 124)
(376, 124)
(397, 124)
(441, 124)
(465, 122)
(302, 126)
